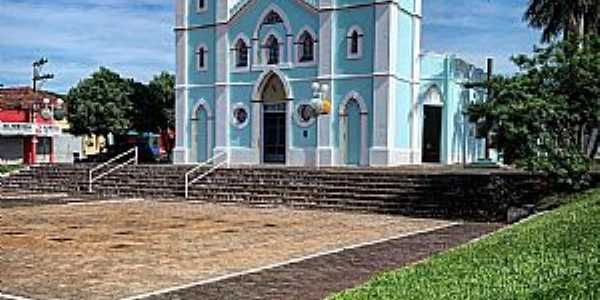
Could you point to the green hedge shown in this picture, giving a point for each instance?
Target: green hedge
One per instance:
(8, 168)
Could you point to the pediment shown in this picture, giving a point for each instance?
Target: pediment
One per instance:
(239, 5)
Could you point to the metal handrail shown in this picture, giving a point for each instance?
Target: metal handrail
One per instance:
(189, 182)
(92, 179)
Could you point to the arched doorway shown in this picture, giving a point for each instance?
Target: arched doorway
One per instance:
(432, 126)
(274, 120)
(201, 133)
(352, 134)
(353, 131)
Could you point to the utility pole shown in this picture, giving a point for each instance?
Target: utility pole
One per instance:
(38, 76)
(37, 73)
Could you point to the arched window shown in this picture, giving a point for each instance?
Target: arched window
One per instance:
(354, 43)
(241, 53)
(355, 36)
(272, 50)
(307, 47)
(272, 18)
(201, 58)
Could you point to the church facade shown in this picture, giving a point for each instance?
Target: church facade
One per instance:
(249, 71)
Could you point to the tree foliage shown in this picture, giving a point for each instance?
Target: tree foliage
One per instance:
(100, 104)
(564, 17)
(107, 103)
(546, 117)
(163, 89)
(154, 104)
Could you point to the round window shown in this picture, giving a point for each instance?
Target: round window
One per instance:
(305, 115)
(306, 112)
(240, 115)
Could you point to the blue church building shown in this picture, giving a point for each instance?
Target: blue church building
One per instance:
(249, 71)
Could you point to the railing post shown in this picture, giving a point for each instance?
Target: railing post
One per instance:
(136, 155)
(228, 157)
(90, 189)
(187, 188)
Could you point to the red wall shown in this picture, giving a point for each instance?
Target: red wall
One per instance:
(21, 116)
(14, 116)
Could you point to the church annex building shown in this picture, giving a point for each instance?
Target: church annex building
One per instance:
(248, 71)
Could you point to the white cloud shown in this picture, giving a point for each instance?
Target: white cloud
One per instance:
(80, 36)
(476, 29)
(135, 37)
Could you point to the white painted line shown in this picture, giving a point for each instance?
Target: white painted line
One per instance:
(289, 262)
(12, 297)
(34, 196)
(105, 202)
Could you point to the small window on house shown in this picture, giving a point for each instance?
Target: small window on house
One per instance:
(201, 55)
(307, 47)
(241, 53)
(201, 5)
(272, 50)
(355, 43)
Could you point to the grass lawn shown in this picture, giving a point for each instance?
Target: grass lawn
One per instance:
(554, 256)
(8, 168)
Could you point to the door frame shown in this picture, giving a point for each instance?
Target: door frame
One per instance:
(257, 121)
(364, 125)
(262, 132)
(201, 105)
(441, 130)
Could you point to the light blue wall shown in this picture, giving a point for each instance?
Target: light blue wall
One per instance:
(195, 96)
(202, 18)
(342, 87)
(241, 137)
(205, 36)
(403, 109)
(364, 17)
(448, 74)
(404, 69)
(404, 54)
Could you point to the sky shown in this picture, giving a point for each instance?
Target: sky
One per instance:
(136, 39)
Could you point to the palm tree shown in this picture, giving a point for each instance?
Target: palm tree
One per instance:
(569, 17)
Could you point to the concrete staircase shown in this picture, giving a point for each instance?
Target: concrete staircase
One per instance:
(448, 193)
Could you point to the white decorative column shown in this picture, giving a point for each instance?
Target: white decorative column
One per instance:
(180, 153)
(257, 115)
(383, 88)
(222, 93)
(325, 152)
(416, 138)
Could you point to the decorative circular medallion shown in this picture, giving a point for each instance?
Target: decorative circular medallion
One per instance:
(240, 115)
(305, 115)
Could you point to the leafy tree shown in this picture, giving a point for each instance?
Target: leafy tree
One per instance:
(146, 115)
(572, 18)
(154, 104)
(547, 117)
(100, 104)
(154, 107)
(162, 87)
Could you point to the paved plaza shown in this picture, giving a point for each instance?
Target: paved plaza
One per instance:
(123, 248)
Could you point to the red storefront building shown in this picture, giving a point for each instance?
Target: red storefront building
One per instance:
(28, 125)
